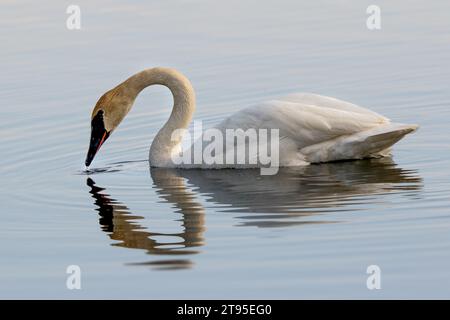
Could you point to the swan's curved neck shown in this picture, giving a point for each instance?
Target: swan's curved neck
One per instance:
(164, 144)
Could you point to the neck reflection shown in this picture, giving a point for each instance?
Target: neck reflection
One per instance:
(121, 225)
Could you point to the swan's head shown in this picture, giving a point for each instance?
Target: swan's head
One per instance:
(109, 111)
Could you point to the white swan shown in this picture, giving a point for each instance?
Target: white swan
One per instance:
(312, 128)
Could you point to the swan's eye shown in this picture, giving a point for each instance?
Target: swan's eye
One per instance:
(99, 115)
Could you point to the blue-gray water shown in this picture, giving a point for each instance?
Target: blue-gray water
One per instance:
(139, 233)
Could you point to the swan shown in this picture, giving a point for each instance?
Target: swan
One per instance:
(311, 128)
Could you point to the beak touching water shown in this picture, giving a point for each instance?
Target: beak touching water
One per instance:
(98, 137)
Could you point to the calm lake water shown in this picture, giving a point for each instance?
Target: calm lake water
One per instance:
(137, 232)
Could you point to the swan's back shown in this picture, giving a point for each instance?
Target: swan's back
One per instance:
(328, 102)
(305, 118)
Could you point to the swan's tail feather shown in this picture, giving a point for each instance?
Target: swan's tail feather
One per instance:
(379, 143)
(375, 142)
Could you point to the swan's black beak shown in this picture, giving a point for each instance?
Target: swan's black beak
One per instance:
(98, 137)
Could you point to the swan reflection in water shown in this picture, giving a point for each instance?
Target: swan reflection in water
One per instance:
(295, 196)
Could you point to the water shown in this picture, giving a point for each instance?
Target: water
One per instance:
(137, 232)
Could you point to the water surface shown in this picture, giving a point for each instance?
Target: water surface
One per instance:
(138, 232)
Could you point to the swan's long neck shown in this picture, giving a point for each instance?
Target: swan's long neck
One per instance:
(164, 144)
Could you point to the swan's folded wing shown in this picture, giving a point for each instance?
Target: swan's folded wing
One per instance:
(328, 102)
(304, 124)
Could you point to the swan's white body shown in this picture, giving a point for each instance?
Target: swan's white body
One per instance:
(315, 128)
(312, 128)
